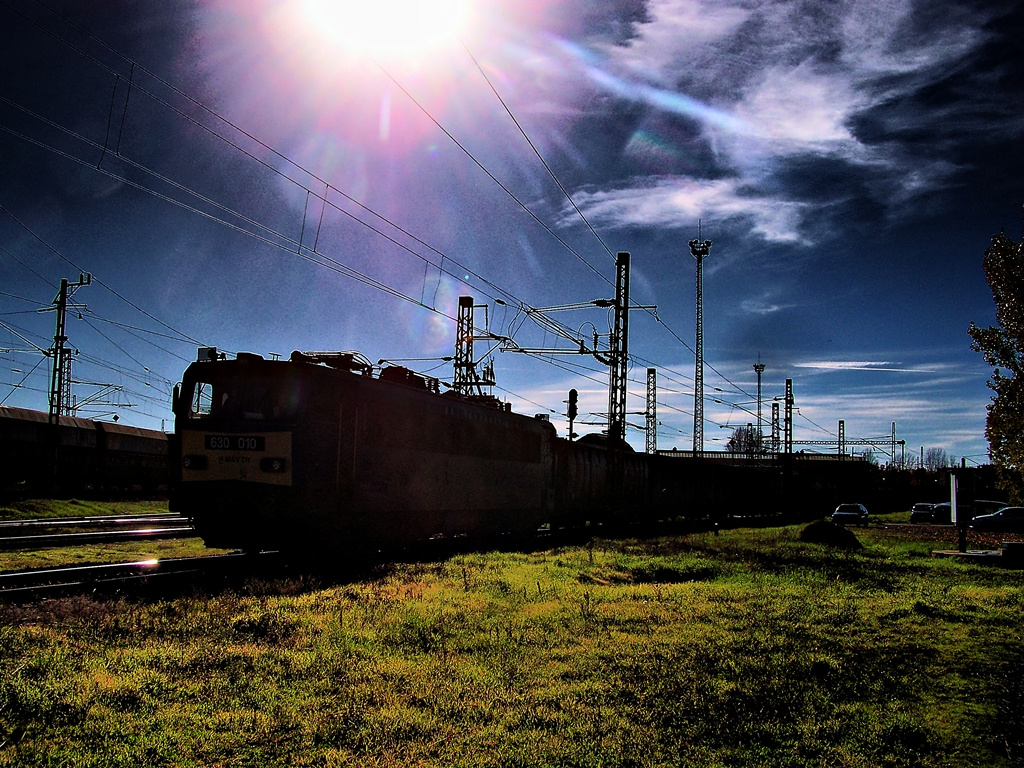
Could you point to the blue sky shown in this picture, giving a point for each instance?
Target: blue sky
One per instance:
(251, 176)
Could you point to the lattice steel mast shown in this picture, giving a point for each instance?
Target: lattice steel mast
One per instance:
(652, 410)
(699, 248)
(759, 369)
(619, 353)
(465, 379)
(60, 375)
(788, 439)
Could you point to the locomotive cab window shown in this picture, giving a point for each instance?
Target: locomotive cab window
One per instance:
(247, 398)
(201, 400)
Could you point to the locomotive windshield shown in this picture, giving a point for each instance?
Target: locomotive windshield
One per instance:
(233, 397)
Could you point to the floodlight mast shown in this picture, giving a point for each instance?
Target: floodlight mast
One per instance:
(759, 369)
(699, 248)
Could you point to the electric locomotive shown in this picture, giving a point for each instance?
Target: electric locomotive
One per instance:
(318, 453)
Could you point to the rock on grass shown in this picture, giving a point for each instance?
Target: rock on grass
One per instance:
(830, 534)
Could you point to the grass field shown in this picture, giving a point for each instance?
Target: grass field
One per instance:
(749, 648)
(34, 509)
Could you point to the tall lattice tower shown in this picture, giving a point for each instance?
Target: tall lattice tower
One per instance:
(788, 439)
(652, 410)
(60, 376)
(699, 248)
(466, 380)
(775, 428)
(619, 353)
(759, 369)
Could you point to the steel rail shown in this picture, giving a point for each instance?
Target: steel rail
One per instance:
(49, 540)
(97, 520)
(40, 582)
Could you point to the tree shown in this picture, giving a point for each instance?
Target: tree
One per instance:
(1003, 348)
(935, 459)
(743, 440)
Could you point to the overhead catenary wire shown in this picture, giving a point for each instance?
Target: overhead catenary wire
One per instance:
(537, 317)
(65, 259)
(23, 380)
(272, 168)
(536, 151)
(282, 241)
(165, 179)
(271, 234)
(234, 126)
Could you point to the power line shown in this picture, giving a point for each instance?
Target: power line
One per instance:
(23, 380)
(262, 144)
(535, 316)
(276, 153)
(96, 279)
(536, 151)
(490, 175)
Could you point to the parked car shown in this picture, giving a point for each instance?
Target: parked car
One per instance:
(985, 507)
(850, 513)
(922, 513)
(942, 514)
(1006, 520)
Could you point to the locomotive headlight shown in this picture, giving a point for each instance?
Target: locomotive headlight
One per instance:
(195, 462)
(272, 465)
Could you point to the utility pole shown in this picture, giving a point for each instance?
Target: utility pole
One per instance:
(759, 369)
(775, 428)
(699, 248)
(465, 379)
(652, 410)
(60, 374)
(616, 357)
(788, 447)
(619, 353)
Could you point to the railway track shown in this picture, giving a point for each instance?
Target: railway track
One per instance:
(86, 521)
(151, 576)
(74, 531)
(143, 575)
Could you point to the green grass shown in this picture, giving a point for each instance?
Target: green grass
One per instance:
(892, 517)
(750, 648)
(42, 508)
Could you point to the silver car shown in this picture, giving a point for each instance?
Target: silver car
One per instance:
(1006, 520)
(854, 514)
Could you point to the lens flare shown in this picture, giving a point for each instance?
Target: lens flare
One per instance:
(386, 29)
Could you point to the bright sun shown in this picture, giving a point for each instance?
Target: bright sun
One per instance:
(387, 29)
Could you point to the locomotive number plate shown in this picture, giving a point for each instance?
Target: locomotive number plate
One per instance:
(234, 443)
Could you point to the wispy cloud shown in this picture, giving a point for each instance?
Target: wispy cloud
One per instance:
(769, 83)
(683, 200)
(862, 365)
(763, 306)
